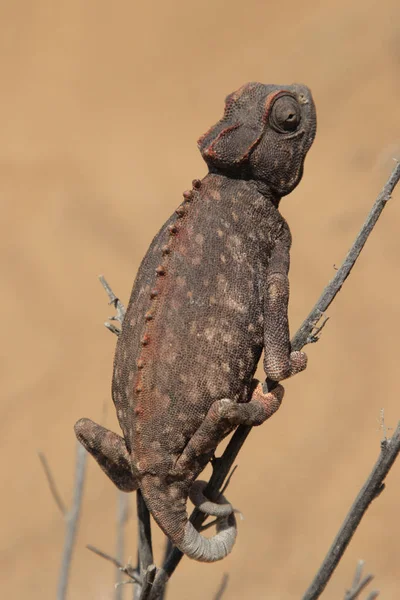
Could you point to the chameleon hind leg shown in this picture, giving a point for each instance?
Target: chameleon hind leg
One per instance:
(223, 416)
(110, 452)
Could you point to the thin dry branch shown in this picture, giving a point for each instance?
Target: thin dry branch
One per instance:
(222, 587)
(359, 584)
(303, 336)
(72, 520)
(52, 484)
(122, 518)
(71, 516)
(127, 569)
(148, 579)
(373, 486)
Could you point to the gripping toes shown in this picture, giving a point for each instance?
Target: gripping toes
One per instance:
(260, 407)
(278, 367)
(298, 362)
(223, 416)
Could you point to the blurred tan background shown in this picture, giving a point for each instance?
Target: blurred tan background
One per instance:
(101, 107)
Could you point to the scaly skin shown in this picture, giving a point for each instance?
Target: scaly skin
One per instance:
(210, 295)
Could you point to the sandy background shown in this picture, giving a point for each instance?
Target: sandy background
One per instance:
(101, 107)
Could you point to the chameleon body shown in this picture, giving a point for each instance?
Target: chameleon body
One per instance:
(211, 293)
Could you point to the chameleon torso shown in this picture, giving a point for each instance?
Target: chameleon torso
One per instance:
(193, 331)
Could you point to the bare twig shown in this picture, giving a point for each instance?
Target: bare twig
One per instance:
(52, 484)
(148, 578)
(145, 550)
(167, 551)
(303, 336)
(359, 584)
(372, 595)
(370, 490)
(119, 307)
(145, 546)
(222, 587)
(127, 569)
(72, 519)
(122, 517)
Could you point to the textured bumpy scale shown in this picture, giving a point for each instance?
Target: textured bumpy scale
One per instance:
(211, 293)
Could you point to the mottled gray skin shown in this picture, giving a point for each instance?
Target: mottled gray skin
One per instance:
(210, 295)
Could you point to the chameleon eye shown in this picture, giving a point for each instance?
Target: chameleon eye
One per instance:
(285, 114)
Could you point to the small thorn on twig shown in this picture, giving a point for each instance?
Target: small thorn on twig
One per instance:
(379, 490)
(382, 425)
(315, 335)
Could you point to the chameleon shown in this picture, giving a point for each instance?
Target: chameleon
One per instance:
(210, 295)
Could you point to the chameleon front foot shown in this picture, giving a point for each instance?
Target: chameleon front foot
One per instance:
(110, 452)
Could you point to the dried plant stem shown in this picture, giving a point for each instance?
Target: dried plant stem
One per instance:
(222, 587)
(373, 486)
(52, 484)
(302, 336)
(122, 518)
(127, 569)
(72, 520)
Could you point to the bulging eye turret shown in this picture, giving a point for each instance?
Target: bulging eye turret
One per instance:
(285, 114)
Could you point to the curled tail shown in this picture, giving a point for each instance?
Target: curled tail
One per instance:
(167, 504)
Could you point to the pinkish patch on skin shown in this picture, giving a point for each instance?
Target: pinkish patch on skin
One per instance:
(215, 195)
(209, 334)
(174, 492)
(199, 239)
(236, 306)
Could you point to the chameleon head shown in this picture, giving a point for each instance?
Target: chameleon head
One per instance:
(264, 135)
